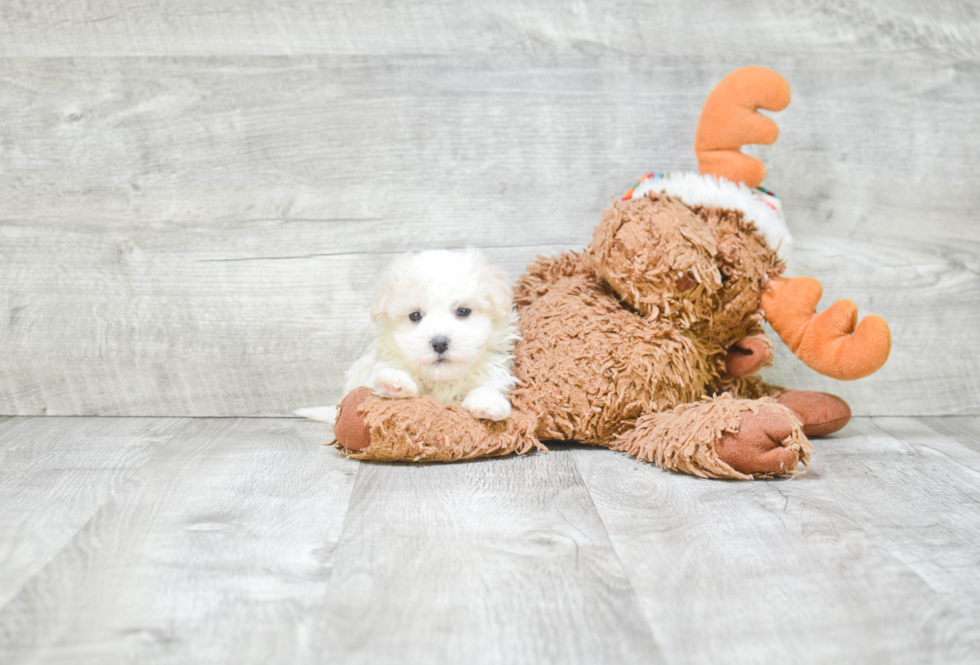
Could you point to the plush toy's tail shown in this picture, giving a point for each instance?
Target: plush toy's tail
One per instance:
(321, 414)
(730, 118)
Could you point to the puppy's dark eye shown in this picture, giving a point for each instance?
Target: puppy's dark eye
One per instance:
(415, 316)
(463, 312)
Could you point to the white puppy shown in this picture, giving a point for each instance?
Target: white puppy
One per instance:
(445, 326)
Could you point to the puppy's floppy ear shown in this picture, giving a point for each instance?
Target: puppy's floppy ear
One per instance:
(381, 301)
(498, 291)
(384, 294)
(495, 284)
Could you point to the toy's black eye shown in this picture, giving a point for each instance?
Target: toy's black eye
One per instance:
(415, 316)
(463, 312)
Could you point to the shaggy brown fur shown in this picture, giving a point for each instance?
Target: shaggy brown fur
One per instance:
(589, 387)
(426, 430)
(746, 264)
(642, 249)
(621, 344)
(684, 439)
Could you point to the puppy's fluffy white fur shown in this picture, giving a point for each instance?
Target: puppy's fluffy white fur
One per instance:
(445, 326)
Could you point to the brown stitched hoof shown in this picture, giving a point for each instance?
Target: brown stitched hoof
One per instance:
(820, 413)
(757, 446)
(351, 431)
(746, 357)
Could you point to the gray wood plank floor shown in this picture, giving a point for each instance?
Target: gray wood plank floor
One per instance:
(247, 541)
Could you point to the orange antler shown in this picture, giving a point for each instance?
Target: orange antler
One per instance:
(730, 119)
(831, 342)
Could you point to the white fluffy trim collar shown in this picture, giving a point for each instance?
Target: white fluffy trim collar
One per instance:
(760, 206)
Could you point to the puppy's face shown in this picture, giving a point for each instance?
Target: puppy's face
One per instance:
(441, 311)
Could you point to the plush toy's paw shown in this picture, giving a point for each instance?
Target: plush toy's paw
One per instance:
(820, 413)
(350, 429)
(757, 446)
(394, 383)
(747, 356)
(487, 404)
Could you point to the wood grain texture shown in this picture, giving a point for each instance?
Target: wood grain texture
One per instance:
(246, 541)
(938, 539)
(217, 550)
(865, 558)
(835, 566)
(962, 430)
(197, 234)
(495, 561)
(374, 27)
(58, 473)
(227, 546)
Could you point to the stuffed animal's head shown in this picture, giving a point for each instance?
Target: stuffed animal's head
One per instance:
(705, 254)
(704, 251)
(700, 267)
(659, 258)
(746, 262)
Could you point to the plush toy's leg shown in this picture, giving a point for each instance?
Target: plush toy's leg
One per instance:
(720, 437)
(351, 431)
(422, 429)
(820, 413)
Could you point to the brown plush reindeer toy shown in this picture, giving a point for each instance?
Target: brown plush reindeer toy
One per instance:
(647, 341)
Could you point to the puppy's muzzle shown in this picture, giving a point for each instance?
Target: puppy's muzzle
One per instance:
(440, 345)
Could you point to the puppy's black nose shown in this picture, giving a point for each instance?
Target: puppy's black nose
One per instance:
(440, 345)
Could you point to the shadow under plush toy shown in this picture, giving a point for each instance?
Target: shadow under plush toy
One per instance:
(647, 342)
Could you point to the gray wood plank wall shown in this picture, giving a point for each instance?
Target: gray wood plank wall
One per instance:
(195, 198)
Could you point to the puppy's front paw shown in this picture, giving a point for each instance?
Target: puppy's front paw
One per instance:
(394, 383)
(487, 404)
